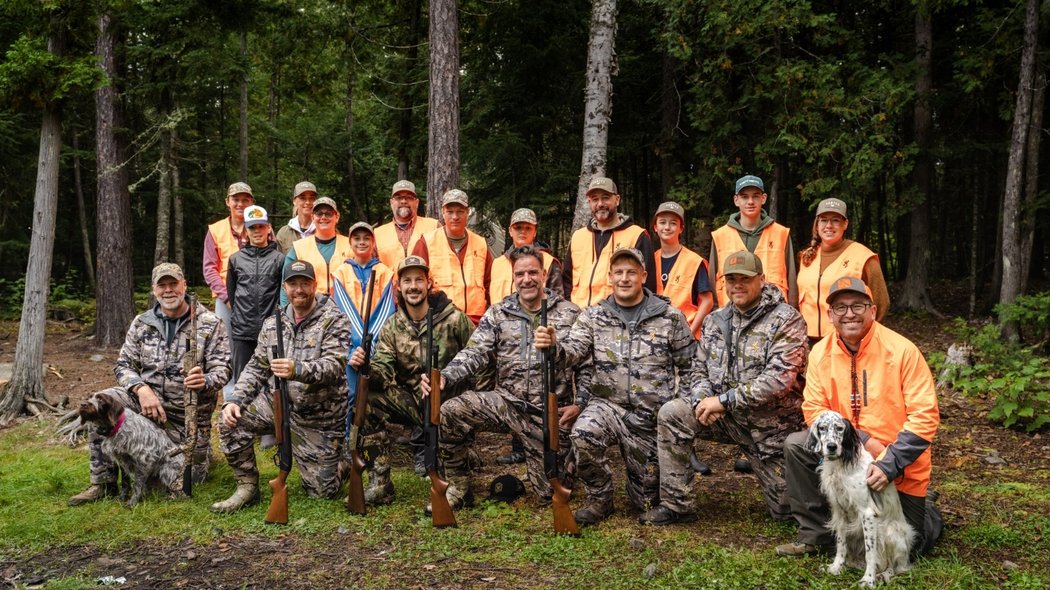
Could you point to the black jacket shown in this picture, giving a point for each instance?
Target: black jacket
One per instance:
(253, 282)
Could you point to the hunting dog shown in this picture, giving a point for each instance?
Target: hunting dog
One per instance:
(869, 526)
(137, 445)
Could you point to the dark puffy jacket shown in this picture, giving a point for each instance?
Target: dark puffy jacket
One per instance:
(253, 282)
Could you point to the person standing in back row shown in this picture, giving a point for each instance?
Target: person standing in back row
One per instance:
(301, 224)
(683, 276)
(397, 239)
(753, 230)
(325, 250)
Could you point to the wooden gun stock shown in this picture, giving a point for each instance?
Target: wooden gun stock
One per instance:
(278, 511)
(441, 511)
(564, 521)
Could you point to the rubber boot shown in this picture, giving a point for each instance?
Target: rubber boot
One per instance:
(246, 494)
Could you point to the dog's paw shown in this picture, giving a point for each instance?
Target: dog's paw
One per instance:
(867, 582)
(832, 568)
(177, 495)
(886, 575)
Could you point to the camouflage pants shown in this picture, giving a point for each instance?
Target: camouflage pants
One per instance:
(677, 428)
(315, 450)
(600, 426)
(104, 470)
(391, 406)
(498, 411)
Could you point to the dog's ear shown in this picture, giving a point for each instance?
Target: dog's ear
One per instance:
(813, 440)
(850, 443)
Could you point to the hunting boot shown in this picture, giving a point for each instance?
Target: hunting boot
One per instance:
(594, 512)
(246, 494)
(459, 494)
(94, 493)
(380, 489)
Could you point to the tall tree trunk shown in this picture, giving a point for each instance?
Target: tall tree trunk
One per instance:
(443, 106)
(359, 207)
(1031, 191)
(601, 67)
(27, 380)
(244, 107)
(915, 295)
(114, 303)
(176, 197)
(408, 92)
(1012, 198)
(161, 251)
(85, 235)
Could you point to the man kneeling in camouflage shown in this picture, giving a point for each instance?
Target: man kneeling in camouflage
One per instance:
(316, 334)
(746, 391)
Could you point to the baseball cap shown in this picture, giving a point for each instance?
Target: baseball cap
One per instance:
(404, 186)
(238, 188)
(167, 269)
(303, 187)
(671, 207)
(523, 216)
(361, 225)
(298, 268)
(255, 215)
(455, 196)
(412, 262)
(325, 202)
(742, 263)
(852, 284)
(749, 180)
(634, 253)
(506, 488)
(832, 206)
(602, 183)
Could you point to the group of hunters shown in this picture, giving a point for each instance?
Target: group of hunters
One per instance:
(653, 347)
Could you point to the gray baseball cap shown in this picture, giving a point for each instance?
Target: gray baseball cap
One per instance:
(671, 207)
(832, 206)
(412, 262)
(361, 225)
(302, 187)
(404, 186)
(602, 183)
(749, 180)
(850, 284)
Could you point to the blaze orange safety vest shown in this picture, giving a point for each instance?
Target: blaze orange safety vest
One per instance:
(679, 287)
(463, 283)
(345, 275)
(389, 247)
(590, 270)
(224, 239)
(771, 250)
(501, 277)
(813, 290)
(307, 251)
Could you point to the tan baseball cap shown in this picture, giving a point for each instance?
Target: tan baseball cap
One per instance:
(523, 216)
(303, 187)
(455, 196)
(742, 263)
(412, 262)
(633, 253)
(238, 188)
(832, 206)
(851, 284)
(404, 186)
(167, 269)
(602, 183)
(671, 207)
(325, 202)
(361, 225)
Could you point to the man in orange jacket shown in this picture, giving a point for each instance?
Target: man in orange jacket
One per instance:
(880, 381)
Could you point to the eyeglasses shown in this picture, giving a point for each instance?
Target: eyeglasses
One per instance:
(324, 213)
(856, 308)
(830, 221)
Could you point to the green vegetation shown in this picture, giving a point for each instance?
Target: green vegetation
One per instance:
(511, 544)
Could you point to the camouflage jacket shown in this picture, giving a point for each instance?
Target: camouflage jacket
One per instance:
(506, 332)
(318, 344)
(146, 357)
(635, 366)
(399, 361)
(759, 356)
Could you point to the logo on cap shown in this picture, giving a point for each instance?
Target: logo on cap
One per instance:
(844, 283)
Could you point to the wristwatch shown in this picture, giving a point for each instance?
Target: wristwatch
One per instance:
(723, 398)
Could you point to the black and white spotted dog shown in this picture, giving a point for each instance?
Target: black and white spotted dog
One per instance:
(137, 445)
(869, 526)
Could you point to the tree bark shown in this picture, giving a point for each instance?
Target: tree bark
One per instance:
(1012, 257)
(27, 378)
(1031, 191)
(161, 251)
(916, 283)
(85, 233)
(408, 93)
(601, 67)
(244, 107)
(176, 197)
(114, 303)
(443, 104)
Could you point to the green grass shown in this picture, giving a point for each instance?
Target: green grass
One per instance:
(730, 548)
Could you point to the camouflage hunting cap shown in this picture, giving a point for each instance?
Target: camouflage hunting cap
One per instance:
(412, 262)
(632, 253)
(167, 269)
(671, 207)
(601, 183)
(455, 196)
(238, 188)
(848, 284)
(298, 268)
(749, 180)
(832, 206)
(302, 187)
(325, 202)
(743, 263)
(361, 225)
(523, 216)
(255, 215)
(404, 186)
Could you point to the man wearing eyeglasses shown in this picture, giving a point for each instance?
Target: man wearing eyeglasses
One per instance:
(397, 239)
(746, 391)
(880, 381)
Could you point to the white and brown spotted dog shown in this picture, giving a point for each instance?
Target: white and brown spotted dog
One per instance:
(140, 447)
(870, 529)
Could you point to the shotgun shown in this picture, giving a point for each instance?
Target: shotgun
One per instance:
(355, 499)
(190, 401)
(564, 521)
(441, 512)
(282, 426)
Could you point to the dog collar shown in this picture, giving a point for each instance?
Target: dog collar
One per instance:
(116, 427)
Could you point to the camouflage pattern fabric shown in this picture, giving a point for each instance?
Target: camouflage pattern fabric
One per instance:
(318, 394)
(146, 357)
(760, 356)
(600, 426)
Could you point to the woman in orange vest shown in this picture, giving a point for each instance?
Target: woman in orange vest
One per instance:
(682, 275)
(829, 257)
